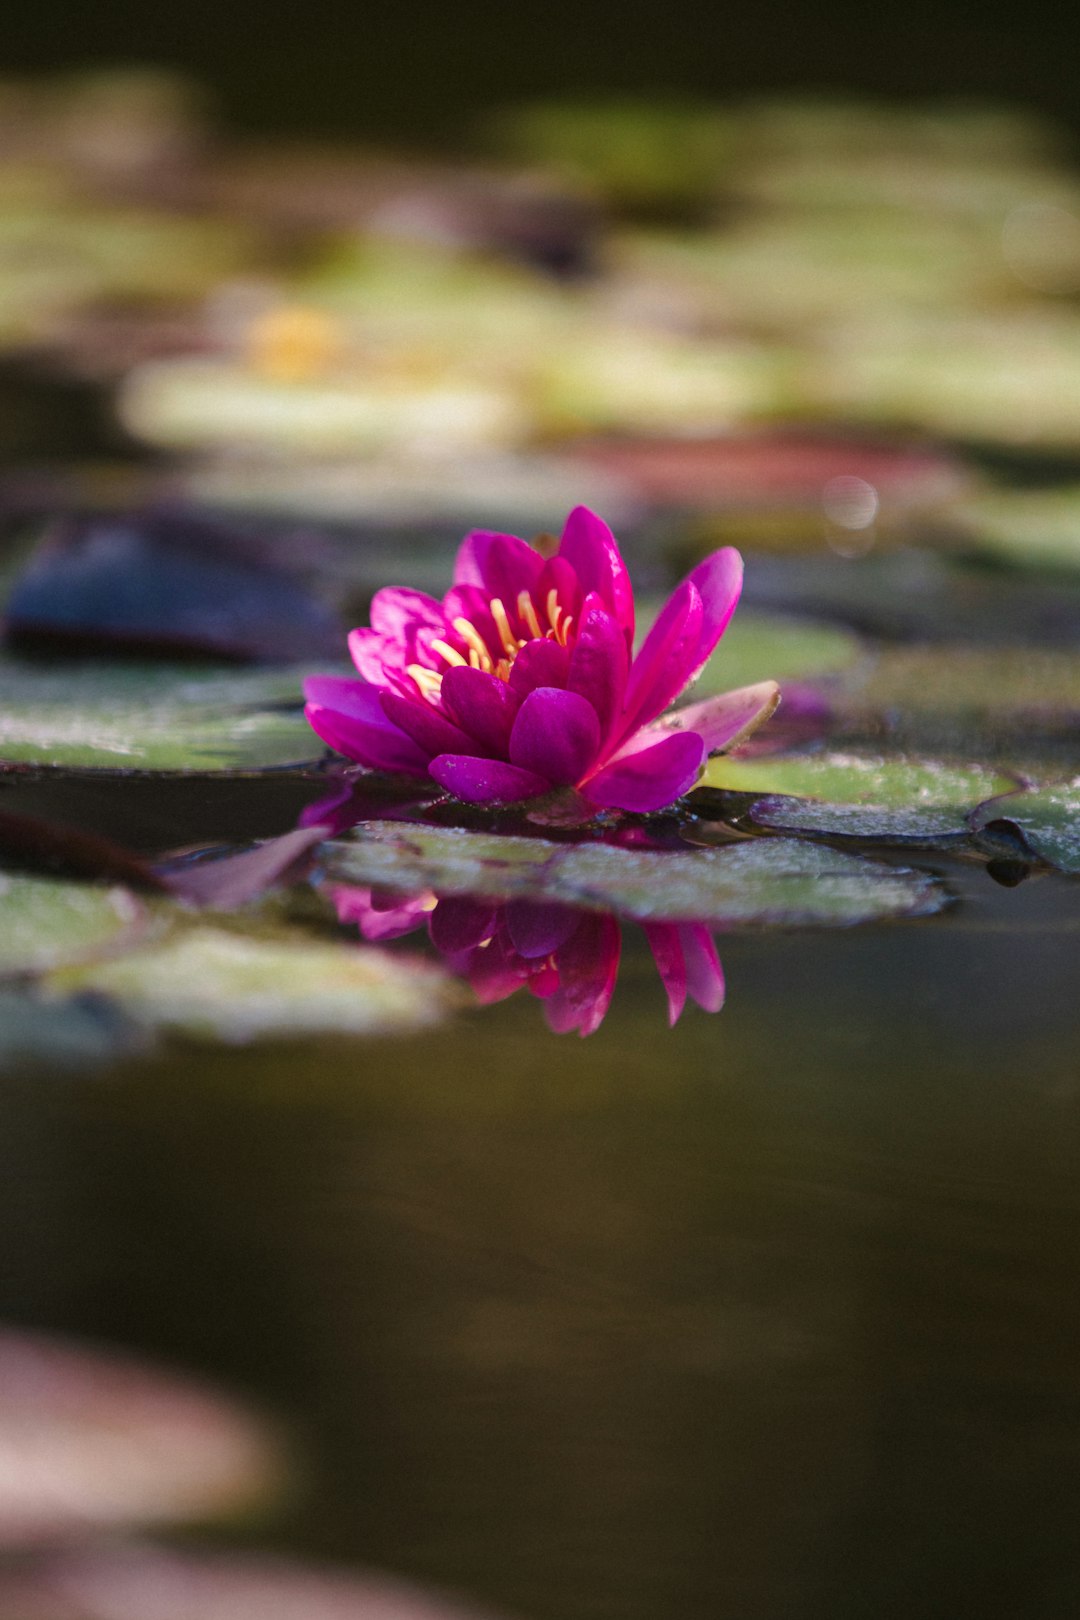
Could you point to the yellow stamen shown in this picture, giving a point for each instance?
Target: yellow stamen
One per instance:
(502, 625)
(553, 609)
(562, 635)
(428, 680)
(476, 643)
(527, 613)
(444, 649)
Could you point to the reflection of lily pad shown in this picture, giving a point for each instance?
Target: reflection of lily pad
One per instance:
(775, 881)
(151, 717)
(1047, 820)
(855, 779)
(214, 985)
(45, 923)
(73, 1034)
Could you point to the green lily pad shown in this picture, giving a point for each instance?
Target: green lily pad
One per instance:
(915, 827)
(210, 984)
(1047, 820)
(858, 779)
(767, 646)
(1036, 528)
(151, 717)
(45, 923)
(771, 882)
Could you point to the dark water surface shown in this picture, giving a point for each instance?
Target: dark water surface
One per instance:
(774, 1315)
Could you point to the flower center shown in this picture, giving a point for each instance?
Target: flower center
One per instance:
(497, 661)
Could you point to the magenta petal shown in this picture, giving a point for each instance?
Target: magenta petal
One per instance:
(719, 584)
(481, 705)
(374, 655)
(665, 942)
(396, 610)
(536, 929)
(556, 734)
(501, 564)
(650, 778)
(375, 920)
(704, 974)
(724, 720)
(428, 729)
(662, 667)
(348, 715)
(590, 548)
(460, 923)
(539, 663)
(588, 967)
(599, 662)
(485, 781)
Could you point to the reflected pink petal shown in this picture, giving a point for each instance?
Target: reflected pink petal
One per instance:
(665, 942)
(459, 923)
(588, 968)
(379, 916)
(537, 930)
(704, 974)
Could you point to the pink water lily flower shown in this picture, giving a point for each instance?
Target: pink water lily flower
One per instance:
(523, 678)
(568, 959)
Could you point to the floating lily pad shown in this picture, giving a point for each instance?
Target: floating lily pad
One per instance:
(765, 646)
(915, 827)
(151, 717)
(1037, 528)
(210, 984)
(95, 1440)
(1046, 820)
(45, 923)
(775, 881)
(857, 779)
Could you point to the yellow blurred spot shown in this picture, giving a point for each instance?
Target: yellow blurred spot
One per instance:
(293, 343)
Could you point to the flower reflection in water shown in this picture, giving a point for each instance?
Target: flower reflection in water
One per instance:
(567, 958)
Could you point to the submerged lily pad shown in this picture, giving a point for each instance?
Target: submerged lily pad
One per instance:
(771, 882)
(45, 923)
(856, 779)
(151, 717)
(1046, 820)
(210, 984)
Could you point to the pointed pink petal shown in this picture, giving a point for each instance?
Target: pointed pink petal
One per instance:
(428, 729)
(556, 734)
(665, 942)
(591, 549)
(588, 967)
(481, 705)
(539, 663)
(662, 667)
(396, 610)
(495, 972)
(719, 584)
(704, 974)
(485, 781)
(650, 778)
(725, 720)
(599, 662)
(559, 576)
(373, 655)
(348, 715)
(500, 564)
(537, 929)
